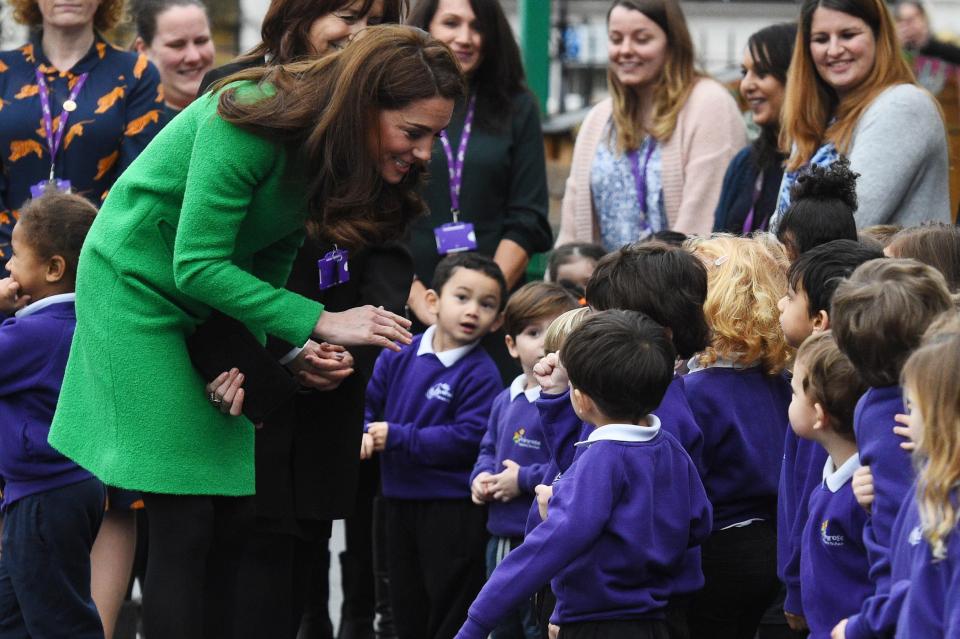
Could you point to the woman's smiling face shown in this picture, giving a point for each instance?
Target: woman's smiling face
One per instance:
(843, 49)
(405, 136)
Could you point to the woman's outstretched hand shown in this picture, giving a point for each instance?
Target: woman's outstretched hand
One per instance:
(364, 325)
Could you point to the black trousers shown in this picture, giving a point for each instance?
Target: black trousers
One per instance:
(273, 583)
(740, 568)
(196, 544)
(435, 562)
(615, 629)
(45, 564)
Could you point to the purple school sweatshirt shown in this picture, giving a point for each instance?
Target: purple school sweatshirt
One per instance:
(437, 406)
(892, 477)
(621, 521)
(513, 432)
(34, 346)
(834, 571)
(801, 473)
(929, 596)
(563, 429)
(742, 413)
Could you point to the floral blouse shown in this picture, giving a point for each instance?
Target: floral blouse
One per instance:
(118, 111)
(616, 197)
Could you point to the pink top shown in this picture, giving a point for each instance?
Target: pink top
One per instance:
(708, 134)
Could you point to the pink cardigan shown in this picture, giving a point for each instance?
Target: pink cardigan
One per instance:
(709, 133)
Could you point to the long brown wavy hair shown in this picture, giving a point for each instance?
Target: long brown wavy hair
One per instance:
(285, 31)
(327, 108)
(672, 89)
(810, 103)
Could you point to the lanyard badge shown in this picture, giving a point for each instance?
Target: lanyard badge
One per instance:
(55, 138)
(457, 236)
(334, 268)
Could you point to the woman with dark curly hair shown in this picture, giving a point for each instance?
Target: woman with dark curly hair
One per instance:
(76, 110)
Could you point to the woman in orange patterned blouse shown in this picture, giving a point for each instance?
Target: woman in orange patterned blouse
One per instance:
(109, 103)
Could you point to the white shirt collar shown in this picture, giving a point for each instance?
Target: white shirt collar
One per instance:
(447, 358)
(30, 309)
(519, 385)
(693, 365)
(835, 478)
(624, 432)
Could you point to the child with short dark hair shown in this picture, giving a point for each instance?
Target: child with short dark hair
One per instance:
(805, 311)
(52, 507)
(878, 317)
(513, 455)
(826, 388)
(427, 410)
(823, 201)
(740, 397)
(611, 578)
(572, 264)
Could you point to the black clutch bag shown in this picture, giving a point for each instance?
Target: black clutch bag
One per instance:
(222, 343)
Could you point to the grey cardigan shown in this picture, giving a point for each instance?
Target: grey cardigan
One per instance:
(899, 148)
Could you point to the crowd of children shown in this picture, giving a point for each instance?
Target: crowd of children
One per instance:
(705, 429)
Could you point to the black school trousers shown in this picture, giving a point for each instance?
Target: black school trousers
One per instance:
(435, 562)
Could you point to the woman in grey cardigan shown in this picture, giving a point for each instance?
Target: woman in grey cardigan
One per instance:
(850, 92)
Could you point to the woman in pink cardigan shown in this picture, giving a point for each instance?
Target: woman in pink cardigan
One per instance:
(652, 156)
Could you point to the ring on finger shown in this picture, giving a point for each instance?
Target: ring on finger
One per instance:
(216, 401)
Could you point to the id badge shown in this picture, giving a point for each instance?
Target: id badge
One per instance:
(455, 237)
(334, 268)
(38, 189)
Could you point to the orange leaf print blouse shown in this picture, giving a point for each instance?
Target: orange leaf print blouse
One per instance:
(116, 117)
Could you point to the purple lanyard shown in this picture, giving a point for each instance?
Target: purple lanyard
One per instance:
(640, 173)
(53, 143)
(748, 223)
(455, 165)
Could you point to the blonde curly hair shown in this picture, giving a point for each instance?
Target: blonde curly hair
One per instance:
(746, 277)
(109, 14)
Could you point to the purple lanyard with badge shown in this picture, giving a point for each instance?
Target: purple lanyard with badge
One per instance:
(457, 236)
(748, 222)
(54, 139)
(640, 178)
(334, 268)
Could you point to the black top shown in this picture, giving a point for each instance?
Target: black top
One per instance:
(504, 192)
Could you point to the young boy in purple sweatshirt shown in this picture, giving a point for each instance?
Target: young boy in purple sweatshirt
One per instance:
(427, 409)
(624, 514)
(833, 558)
(879, 316)
(513, 454)
(805, 310)
(52, 507)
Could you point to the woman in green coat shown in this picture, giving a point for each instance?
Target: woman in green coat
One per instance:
(210, 217)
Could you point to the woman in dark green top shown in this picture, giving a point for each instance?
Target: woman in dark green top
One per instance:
(209, 218)
(504, 182)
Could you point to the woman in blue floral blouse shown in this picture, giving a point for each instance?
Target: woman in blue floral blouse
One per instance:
(72, 107)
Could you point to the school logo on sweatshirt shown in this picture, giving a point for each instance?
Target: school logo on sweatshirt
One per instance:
(440, 391)
(916, 536)
(830, 540)
(525, 442)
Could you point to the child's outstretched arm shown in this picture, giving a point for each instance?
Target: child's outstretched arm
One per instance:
(578, 514)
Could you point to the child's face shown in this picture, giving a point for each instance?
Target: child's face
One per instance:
(802, 413)
(468, 307)
(795, 317)
(527, 346)
(26, 267)
(577, 272)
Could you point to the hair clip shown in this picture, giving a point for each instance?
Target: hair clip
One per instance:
(720, 260)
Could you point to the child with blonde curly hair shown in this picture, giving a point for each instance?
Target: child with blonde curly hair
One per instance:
(739, 397)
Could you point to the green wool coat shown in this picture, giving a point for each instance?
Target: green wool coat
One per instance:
(208, 217)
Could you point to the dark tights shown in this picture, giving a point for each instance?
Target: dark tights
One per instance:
(196, 542)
